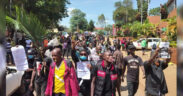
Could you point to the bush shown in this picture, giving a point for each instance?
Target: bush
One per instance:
(119, 33)
(173, 44)
(101, 32)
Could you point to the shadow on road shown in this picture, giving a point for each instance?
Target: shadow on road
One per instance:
(124, 88)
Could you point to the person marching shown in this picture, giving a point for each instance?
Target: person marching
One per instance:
(62, 80)
(133, 62)
(105, 77)
(155, 79)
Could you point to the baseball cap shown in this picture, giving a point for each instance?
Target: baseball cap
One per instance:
(131, 47)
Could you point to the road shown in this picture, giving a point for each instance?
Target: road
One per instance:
(170, 75)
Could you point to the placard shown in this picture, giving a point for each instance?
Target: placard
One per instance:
(164, 44)
(83, 71)
(164, 47)
(20, 58)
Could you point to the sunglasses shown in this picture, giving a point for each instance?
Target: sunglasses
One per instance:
(83, 54)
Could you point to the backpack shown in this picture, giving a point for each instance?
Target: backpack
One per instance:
(154, 46)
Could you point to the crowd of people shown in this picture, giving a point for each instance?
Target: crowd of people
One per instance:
(53, 67)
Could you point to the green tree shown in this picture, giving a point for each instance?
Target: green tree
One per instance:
(78, 20)
(108, 28)
(28, 24)
(49, 12)
(101, 32)
(124, 13)
(91, 26)
(172, 28)
(144, 4)
(146, 29)
(101, 20)
(154, 12)
(2, 23)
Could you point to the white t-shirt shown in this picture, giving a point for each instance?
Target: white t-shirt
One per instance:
(92, 50)
(28, 43)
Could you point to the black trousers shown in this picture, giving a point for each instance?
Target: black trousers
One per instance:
(28, 92)
(132, 88)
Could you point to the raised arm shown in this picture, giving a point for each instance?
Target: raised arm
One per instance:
(32, 79)
(93, 86)
(150, 61)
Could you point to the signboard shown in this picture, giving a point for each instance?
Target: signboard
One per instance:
(20, 58)
(164, 47)
(83, 71)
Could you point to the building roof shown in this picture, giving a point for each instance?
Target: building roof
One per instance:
(99, 28)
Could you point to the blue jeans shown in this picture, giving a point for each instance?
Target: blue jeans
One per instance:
(132, 88)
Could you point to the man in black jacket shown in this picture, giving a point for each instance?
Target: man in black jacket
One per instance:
(105, 77)
(155, 79)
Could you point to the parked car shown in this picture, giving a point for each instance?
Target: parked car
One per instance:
(150, 42)
(13, 80)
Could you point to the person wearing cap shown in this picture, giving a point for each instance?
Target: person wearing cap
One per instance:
(133, 62)
(155, 79)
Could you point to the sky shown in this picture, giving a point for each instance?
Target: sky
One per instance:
(94, 8)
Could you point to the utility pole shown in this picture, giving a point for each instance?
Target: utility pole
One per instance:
(141, 11)
(148, 7)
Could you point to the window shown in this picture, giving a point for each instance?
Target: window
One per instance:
(149, 40)
(156, 40)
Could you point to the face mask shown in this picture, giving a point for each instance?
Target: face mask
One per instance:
(30, 56)
(83, 58)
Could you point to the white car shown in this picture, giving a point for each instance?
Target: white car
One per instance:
(13, 80)
(150, 42)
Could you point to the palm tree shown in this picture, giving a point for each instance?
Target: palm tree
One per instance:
(2, 24)
(28, 24)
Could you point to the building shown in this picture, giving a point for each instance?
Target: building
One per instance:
(171, 5)
(99, 28)
(172, 11)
